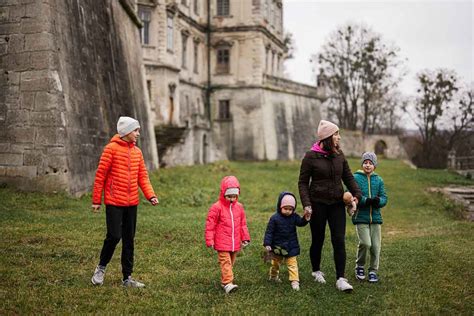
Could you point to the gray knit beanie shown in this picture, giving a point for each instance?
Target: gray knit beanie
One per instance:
(369, 156)
(126, 125)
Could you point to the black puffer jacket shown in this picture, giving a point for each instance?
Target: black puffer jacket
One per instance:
(321, 176)
(281, 230)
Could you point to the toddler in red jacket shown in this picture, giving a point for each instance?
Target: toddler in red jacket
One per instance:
(226, 229)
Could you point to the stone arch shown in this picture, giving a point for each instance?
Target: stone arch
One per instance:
(380, 147)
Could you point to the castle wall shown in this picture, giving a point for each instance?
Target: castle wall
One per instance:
(354, 144)
(73, 67)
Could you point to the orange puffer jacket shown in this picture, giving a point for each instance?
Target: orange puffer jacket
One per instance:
(120, 172)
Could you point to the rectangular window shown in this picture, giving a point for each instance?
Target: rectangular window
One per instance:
(184, 50)
(145, 17)
(223, 60)
(224, 109)
(196, 57)
(223, 7)
(196, 7)
(148, 88)
(169, 33)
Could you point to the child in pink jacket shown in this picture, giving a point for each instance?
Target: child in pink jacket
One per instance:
(226, 229)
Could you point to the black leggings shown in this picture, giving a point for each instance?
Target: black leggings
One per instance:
(121, 224)
(335, 215)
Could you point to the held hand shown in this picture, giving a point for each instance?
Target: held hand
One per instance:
(95, 208)
(268, 248)
(154, 201)
(308, 209)
(376, 202)
(307, 215)
(368, 201)
(356, 200)
(245, 243)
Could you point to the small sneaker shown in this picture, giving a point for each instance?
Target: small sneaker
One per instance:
(98, 276)
(373, 277)
(229, 287)
(360, 273)
(318, 277)
(274, 279)
(295, 285)
(343, 285)
(130, 282)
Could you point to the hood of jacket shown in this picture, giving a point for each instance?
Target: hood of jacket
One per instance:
(317, 148)
(280, 197)
(228, 182)
(116, 139)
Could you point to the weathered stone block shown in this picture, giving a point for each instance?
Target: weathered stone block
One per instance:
(36, 80)
(9, 159)
(29, 26)
(33, 158)
(39, 41)
(46, 101)
(3, 171)
(9, 28)
(4, 147)
(8, 2)
(16, 44)
(18, 148)
(4, 14)
(21, 134)
(56, 163)
(46, 118)
(42, 60)
(56, 151)
(16, 62)
(17, 116)
(3, 48)
(36, 9)
(27, 100)
(50, 136)
(16, 13)
(13, 77)
(22, 171)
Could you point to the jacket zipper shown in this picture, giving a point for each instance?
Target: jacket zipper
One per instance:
(370, 196)
(129, 176)
(232, 219)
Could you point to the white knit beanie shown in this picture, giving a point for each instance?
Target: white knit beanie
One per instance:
(326, 129)
(126, 125)
(232, 191)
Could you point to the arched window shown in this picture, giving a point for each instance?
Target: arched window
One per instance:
(380, 148)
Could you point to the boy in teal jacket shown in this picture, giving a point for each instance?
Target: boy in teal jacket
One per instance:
(368, 218)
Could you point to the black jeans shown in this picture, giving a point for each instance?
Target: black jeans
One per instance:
(335, 215)
(121, 224)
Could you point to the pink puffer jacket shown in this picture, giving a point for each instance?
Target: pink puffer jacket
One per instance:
(226, 225)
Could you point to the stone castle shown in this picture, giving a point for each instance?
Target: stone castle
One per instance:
(203, 77)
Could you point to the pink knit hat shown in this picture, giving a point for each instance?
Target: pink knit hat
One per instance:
(288, 200)
(326, 129)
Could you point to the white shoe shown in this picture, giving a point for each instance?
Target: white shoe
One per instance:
(295, 285)
(229, 287)
(318, 277)
(98, 277)
(343, 285)
(130, 282)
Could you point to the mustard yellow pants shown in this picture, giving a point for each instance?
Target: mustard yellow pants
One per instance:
(291, 263)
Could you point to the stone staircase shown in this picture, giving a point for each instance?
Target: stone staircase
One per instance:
(168, 136)
(464, 196)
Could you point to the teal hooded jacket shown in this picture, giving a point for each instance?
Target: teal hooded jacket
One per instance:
(371, 186)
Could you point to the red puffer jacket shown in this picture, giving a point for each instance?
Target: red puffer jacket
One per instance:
(120, 172)
(226, 225)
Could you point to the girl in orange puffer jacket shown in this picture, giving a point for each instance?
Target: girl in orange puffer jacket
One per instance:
(226, 229)
(120, 172)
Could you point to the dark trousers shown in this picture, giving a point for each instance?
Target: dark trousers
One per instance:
(335, 215)
(121, 224)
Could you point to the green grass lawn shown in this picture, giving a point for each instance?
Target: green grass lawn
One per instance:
(50, 245)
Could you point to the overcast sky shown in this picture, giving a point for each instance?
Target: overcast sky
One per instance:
(430, 34)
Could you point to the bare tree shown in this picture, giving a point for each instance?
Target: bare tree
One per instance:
(434, 95)
(461, 119)
(360, 71)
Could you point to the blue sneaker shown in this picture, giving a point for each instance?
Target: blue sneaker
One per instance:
(360, 273)
(373, 277)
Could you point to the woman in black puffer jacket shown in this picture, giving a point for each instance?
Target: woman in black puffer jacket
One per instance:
(322, 172)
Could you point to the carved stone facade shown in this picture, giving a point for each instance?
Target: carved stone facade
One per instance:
(214, 69)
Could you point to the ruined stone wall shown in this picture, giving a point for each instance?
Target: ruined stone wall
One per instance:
(354, 144)
(69, 70)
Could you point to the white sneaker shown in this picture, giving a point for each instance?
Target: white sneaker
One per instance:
(98, 276)
(295, 285)
(318, 277)
(130, 282)
(229, 287)
(343, 285)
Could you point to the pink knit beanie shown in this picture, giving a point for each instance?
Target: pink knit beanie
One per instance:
(326, 129)
(288, 200)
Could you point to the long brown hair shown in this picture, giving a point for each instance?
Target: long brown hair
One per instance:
(329, 146)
